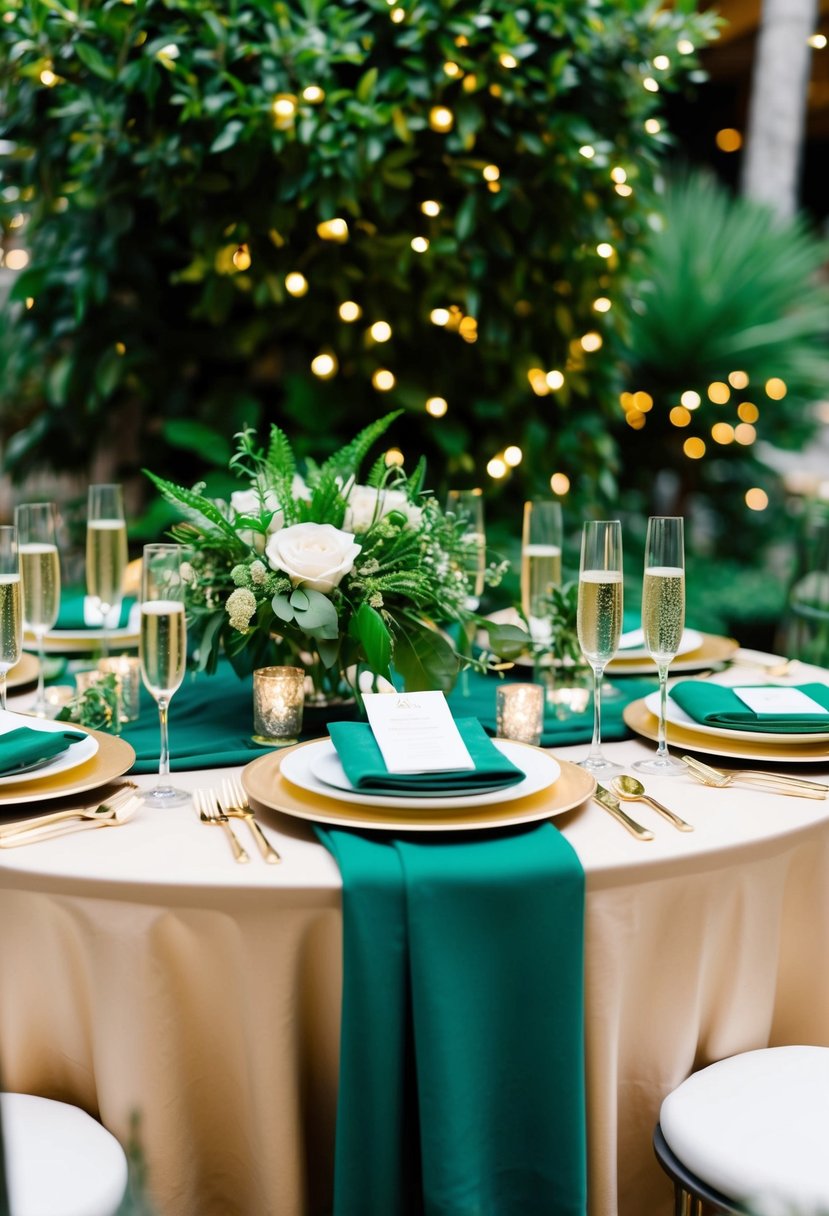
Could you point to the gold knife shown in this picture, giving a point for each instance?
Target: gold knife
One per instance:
(612, 804)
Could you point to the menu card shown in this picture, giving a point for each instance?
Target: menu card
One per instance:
(777, 700)
(416, 732)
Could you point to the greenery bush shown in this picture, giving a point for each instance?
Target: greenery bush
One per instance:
(173, 161)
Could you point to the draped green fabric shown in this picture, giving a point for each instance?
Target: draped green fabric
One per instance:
(462, 1061)
(716, 705)
(211, 720)
(23, 747)
(365, 768)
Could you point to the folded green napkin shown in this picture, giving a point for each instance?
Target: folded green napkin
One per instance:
(461, 1087)
(366, 770)
(71, 611)
(23, 747)
(716, 705)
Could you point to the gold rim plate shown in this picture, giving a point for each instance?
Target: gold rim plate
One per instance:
(23, 673)
(113, 758)
(83, 641)
(640, 719)
(268, 790)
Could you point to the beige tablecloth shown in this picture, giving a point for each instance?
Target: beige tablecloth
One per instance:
(142, 971)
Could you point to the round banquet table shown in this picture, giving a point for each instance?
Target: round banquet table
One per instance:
(145, 974)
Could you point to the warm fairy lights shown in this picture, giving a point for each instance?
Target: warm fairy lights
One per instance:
(419, 244)
(283, 107)
(394, 457)
(538, 382)
(776, 388)
(602, 304)
(643, 401)
(722, 432)
(605, 250)
(756, 499)
(397, 15)
(559, 483)
(452, 70)
(691, 399)
(491, 173)
(738, 379)
(441, 119)
(679, 416)
(439, 316)
(653, 126)
(694, 448)
(430, 207)
(324, 366)
(745, 433)
(380, 331)
(436, 406)
(296, 284)
(661, 63)
(728, 139)
(497, 468)
(333, 230)
(817, 41)
(468, 329)
(48, 78)
(17, 259)
(241, 258)
(747, 411)
(591, 342)
(618, 174)
(507, 61)
(554, 379)
(650, 84)
(383, 380)
(313, 94)
(513, 456)
(587, 151)
(685, 47)
(623, 190)
(719, 392)
(349, 311)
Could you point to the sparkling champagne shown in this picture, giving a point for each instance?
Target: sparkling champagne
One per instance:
(11, 620)
(163, 646)
(663, 610)
(40, 572)
(474, 562)
(106, 559)
(599, 618)
(540, 572)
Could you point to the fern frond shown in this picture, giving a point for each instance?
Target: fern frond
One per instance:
(191, 502)
(348, 459)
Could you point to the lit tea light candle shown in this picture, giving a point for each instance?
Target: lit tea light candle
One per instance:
(128, 673)
(519, 710)
(278, 699)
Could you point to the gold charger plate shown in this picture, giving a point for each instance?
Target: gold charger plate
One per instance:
(24, 672)
(640, 719)
(268, 789)
(84, 641)
(713, 649)
(112, 759)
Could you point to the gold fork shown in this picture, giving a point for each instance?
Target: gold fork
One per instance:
(778, 783)
(234, 802)
(208, 808)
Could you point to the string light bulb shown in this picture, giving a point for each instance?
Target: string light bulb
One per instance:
(324, 365)
(491, 173)
(441, 119)
(496, 468)
(283, 108)
(296, 284)
(513, 456)
(756, 499)
(420, 244)
(430, 207)
(333, 230)
(436, 406)
(383, 380)
(507, 61)
(775, 387)
(439, 316)
(691, 399)
(554, 379)
(313, 94)
(350, 311)
(241, 258)
(559, 483)
(380, 331)
(605, 250)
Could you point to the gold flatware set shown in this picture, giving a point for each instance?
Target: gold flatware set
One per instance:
(115, 810)
(218, 807)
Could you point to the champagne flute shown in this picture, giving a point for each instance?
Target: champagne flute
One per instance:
(468, 508)
(40, 573)
(599, 620)
(106, 552)
(541, 543)
(663, 619)
(163, 650)
(11, 606)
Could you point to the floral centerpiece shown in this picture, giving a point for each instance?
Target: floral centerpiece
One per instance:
(338, 575)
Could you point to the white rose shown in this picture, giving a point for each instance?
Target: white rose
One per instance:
(363, 510)
(316, 556)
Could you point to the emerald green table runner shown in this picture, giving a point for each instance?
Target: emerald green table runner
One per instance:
(211, 720)
(462, 1060)
(23, 747)
(717, 705)
(365, 768)
(71, 611)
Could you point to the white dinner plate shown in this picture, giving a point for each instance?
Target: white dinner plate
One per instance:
(57, 641)
(635, 649)
(328, 768)
(75, 754)
(677, 717)
(540, 768)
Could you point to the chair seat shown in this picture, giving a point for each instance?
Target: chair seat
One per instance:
(754, 1126)
(59, 1160)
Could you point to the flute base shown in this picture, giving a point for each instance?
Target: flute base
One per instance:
(601, 767)
(660, 766)
(162, 796)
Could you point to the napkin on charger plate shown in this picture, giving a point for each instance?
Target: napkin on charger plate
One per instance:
(718, 705)
(365, 768)
(24, 748)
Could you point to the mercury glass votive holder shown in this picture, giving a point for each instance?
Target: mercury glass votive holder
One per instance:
(127, 671)
(278, 700)
(519, 712)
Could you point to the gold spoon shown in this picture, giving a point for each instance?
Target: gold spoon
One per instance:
(629, 789)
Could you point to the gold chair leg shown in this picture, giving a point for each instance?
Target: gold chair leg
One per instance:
(686, 1204)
